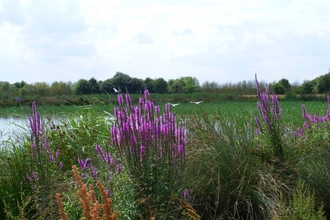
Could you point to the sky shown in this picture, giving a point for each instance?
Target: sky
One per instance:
(213, 40)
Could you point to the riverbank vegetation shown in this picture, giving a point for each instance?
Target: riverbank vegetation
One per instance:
(91, 90)
(138, 157)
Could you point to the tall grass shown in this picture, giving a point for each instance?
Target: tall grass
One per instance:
(226, 180)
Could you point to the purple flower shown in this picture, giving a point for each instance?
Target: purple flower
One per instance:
(94, 172)
(61, 165)
(259, 124)
(35, 176)
(120, 99)
(142, 152)
(35, 123)
(84, 164)
(57, 154)
(186, 195)
(118, 168)
(107, 192)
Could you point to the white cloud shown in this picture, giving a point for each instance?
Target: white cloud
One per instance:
(234, 39)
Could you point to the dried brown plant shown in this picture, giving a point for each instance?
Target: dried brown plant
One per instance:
(64, 216)
(92, 209)
(187, 208)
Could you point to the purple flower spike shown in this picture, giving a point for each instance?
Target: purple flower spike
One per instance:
(57, 154)
(35, 177)
(128, 99)
(120, 99)
(142, 152)
(118, 168)
(186, 195)
(146, 94)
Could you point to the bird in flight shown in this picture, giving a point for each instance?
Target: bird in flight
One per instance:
(175, 104)
(116, 89)
(196, 102)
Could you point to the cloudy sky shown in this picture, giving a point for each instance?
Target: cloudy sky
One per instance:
(212, 40)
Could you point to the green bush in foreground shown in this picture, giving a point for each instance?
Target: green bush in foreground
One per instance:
(300, 207)
(224, 178)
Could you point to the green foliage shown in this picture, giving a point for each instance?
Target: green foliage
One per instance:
(314, 170)
(323, 83)
(82, 87)
(225, 179)
(160, 86)
(149, 84)
(308, 87)
(94, 86)
(300, 207)
(278, 89)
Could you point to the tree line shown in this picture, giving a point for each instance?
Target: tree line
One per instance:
(125, 83)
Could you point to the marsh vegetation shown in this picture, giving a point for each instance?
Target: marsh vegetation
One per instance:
(140, 158)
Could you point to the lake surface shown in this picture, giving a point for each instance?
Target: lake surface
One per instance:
(11, 127)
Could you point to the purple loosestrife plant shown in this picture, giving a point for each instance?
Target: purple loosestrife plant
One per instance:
(151, 145)
(270, 115)
(315, 127)
(43, 160)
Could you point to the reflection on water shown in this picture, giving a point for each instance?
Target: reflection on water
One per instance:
(10, 127)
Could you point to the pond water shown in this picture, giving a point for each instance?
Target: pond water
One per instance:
(10, 127)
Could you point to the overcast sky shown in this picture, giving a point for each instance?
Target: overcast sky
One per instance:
(212, 40)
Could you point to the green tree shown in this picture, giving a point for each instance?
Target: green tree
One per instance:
(307, 87)
(135, 85)
(149, 84)
(94, 86)
(160, 86)
(5, 87)
(107, 86)
(121, 81)
(60, 88)
(190, 84)
(20, 85)
(286, 84)
(278, 89)
(323, 83)
(82, 87)
(175, 86)
(42, 88)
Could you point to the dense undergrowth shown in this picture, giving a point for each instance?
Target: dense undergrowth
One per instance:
(142, 161)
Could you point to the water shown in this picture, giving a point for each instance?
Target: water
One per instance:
(11, 127)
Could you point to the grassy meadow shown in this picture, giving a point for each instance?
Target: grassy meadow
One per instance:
(143, 159)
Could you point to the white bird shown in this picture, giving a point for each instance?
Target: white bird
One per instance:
(175, 104)
(115, 89)
(196, 102)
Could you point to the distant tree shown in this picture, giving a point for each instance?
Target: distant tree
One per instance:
(5, 87)
(94, 86)
(160, 86)
(307, 87)
(190, 84)
(38, 88)
(135, 85)
(323, 83)
(60, 88)
(175, 86)
(121, 81)
(107, 86)
(286, 84)
(210, 86)
(82, 87)
(20, 85)
(149, 84)
(278, 89)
